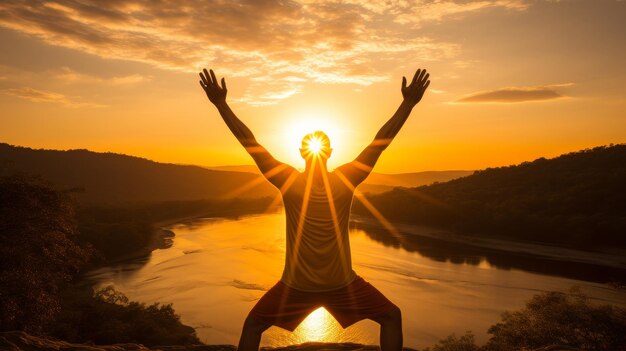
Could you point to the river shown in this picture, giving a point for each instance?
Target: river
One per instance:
(216, 269)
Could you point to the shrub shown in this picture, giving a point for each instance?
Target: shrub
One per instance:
(554, 318)
(108, 317)
(452, 343)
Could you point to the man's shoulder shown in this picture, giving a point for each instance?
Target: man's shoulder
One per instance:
(339, 182)
(295, 184)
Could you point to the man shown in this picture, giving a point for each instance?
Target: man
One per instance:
(318, 268)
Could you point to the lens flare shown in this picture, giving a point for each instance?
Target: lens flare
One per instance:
(315, 146)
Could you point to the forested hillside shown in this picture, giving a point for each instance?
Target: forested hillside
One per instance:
(108, 178)
(577, 199)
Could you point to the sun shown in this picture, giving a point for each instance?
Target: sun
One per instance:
(314, 145)
(305, 123)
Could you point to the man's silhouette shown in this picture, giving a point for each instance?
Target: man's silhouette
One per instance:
(318, 268)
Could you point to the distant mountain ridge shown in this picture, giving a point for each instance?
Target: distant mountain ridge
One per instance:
(380, 182)
(107, 177)
(116, 178)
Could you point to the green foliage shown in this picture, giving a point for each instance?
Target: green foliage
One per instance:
(577, 199)
(40, 252)
(108, 317)
(554, 318)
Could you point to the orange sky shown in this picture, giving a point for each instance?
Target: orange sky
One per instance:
(512, 80)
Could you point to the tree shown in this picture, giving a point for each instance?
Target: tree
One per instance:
(39, 252)
(554, 318)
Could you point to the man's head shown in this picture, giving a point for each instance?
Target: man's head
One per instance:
(316, 145)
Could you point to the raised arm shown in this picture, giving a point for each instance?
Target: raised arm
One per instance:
(357, 170)
(276, 172)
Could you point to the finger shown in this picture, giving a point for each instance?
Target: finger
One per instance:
(403, 83)
(202, 84)
(420, 79)
(204, 79)
(417, 73)
(208, 77)
(214, 80)
(426, 85)
(424, 79)
(223, 84)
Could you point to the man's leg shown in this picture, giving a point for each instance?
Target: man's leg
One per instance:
(361, 300)
(251, 334)
(390, 329)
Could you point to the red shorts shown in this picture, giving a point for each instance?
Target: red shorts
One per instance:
(287, 307)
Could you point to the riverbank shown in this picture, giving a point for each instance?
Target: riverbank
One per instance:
(123, 233)
(607, 257)
(161, 237)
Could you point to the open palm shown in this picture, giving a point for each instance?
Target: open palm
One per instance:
(214, 92)
(413, 92)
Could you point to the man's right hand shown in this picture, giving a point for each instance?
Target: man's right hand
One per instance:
(413, 93)
(215, 93)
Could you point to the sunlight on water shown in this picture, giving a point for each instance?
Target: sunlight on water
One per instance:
(217, 270)
(318, 326)
(321, 326)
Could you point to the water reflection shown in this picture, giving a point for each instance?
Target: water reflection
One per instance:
(466, 253)
(318, 326)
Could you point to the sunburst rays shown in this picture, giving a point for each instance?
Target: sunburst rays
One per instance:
(283, 189)
(317, 168)
(256, 181)
(370, 207)
(296, 244)
(333, 214)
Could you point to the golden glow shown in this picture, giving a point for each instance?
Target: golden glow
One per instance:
(304, 123)
(318, 326)
(314, 146)
(347, 86)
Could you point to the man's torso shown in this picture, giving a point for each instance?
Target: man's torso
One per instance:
(318, 248)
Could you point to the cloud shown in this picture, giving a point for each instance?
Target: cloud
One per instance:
(438, 10)
(68, 75)
(351, 42)
(515, 94)
(36, 95)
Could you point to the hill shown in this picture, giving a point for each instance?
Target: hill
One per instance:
(415, 178)
(237, 168)
(577, 199)
(379, 182)
(108, 178)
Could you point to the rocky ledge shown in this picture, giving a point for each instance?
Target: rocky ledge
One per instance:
(20, 341)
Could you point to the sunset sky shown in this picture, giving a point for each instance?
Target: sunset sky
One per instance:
(511, 80)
